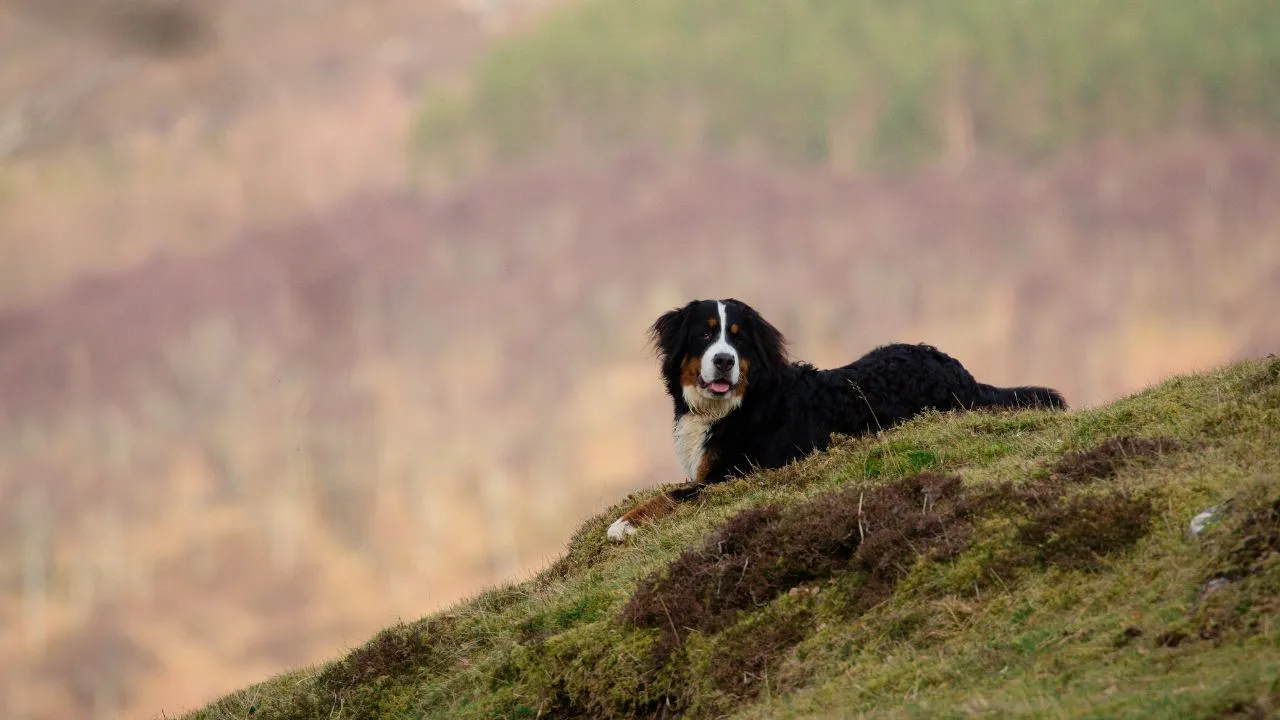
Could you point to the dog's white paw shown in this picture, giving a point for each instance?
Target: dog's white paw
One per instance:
(620, 530)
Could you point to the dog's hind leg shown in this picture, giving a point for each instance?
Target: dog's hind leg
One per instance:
(1021, 397)
(650, 510)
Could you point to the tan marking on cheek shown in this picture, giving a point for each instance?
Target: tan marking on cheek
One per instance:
(744, 367)
(690, 369)
(651, 510)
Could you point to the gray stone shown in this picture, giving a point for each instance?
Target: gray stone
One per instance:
(1201, 522)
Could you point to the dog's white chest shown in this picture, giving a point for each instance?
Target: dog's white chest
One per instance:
(690, 435)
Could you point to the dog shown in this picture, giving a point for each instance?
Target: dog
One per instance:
(741, 405)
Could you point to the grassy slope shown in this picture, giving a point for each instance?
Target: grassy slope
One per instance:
(1079, 620)
(869, 84)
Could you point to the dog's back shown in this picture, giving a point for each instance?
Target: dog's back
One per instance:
(906, 379)
(885, 387)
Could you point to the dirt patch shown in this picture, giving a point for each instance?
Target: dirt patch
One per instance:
(1078, 533)
(1105, 460)
(763, 552)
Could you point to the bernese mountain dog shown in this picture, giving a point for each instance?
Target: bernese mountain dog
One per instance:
(742, 405)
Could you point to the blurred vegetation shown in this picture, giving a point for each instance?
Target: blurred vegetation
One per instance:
(866, 85)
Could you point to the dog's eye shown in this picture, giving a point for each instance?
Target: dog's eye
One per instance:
(706, 334)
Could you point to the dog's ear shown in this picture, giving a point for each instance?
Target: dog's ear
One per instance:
(767, 342)
(670, 335)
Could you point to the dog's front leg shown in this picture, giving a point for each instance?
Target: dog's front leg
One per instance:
(650, 510)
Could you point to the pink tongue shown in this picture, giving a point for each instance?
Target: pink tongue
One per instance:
(719, 386)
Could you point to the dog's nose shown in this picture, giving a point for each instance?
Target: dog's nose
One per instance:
(723, 362)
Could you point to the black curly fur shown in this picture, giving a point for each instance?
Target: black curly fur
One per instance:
(790, 409)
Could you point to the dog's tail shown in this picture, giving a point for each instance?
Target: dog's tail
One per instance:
(1041, 398)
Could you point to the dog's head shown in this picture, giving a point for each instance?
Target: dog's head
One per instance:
(713, 350)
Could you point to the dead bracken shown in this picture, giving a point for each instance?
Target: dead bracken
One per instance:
(1078, 533)
(1103, 461)
(763, 552)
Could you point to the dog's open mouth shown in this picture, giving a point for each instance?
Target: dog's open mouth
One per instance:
(717, 387)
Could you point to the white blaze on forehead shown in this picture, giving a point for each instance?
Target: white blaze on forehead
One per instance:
(721, 345)
(709, 406)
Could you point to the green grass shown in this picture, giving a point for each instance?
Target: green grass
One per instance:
(1043, 605)
(874, 84)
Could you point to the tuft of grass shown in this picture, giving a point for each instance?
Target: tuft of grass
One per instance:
(1054, 577)
(877, 85)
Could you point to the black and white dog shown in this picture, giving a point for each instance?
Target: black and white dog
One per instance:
(741, 404)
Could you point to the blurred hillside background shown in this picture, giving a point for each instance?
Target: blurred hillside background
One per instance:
(316, 315)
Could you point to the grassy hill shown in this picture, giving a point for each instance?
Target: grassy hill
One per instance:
(881, 85)
(1029, 563)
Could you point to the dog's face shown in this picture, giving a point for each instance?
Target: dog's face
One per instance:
(712, 350)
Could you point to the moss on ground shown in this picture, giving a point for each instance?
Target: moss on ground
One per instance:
(1038, 564)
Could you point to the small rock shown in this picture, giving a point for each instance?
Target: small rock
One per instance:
(1201, 522)
(1212, 586)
